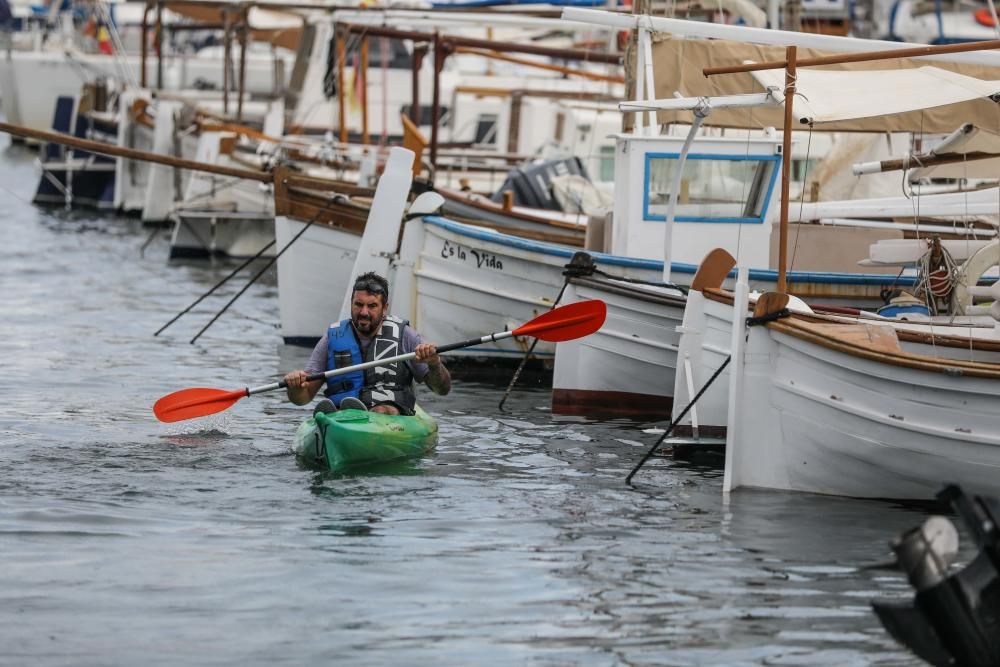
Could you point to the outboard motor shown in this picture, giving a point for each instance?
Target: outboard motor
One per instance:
(954, 618)
(532, 183)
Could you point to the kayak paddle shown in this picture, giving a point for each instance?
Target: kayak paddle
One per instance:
(564, 323)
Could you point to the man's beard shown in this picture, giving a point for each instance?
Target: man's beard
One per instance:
(365, 325)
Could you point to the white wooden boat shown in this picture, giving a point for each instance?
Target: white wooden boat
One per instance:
(729, 199)
(627, 367)
(326, 220)
(842, 409)
(706, 334)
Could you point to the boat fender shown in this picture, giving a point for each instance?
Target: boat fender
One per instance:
(580, 266)
(970, 274)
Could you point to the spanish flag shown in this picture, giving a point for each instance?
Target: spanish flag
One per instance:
(355, 86)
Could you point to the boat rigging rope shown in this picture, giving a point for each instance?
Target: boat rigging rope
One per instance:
(118, 48)
(581, 264)
(802, 194)
(937, 275)
(252, 280)
(754, 321)
(319, 212)
(639, 281)
(670, 428)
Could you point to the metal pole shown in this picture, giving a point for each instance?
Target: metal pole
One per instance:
(362, 79)
(436, 101)
(226, 55)
(419, 51)
(144, 48)
(341, 38)
(159, 44)
(244, 31)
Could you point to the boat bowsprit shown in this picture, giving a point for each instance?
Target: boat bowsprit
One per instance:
(348, 438)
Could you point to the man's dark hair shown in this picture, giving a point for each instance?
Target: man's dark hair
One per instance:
(373, 283)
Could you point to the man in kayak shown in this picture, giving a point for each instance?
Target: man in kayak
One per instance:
(370, 334)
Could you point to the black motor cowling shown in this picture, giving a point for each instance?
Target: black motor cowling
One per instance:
(954, 617)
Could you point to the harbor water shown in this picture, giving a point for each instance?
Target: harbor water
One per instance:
(125, 541)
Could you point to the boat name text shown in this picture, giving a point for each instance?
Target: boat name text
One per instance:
(483, 259)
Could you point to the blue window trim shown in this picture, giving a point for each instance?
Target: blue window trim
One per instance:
(646, 215)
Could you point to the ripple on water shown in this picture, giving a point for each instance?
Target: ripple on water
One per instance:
(127, 541)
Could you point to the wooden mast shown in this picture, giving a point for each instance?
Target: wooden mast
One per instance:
(786, 165)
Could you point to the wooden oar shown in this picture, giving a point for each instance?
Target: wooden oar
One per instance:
(565, 323)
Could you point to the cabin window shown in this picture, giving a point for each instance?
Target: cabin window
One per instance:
(382, 52)
(607, 164)
(714, 188)
(486, 130)
(426, 113)
(801, 168)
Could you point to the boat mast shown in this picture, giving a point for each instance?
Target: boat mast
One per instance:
(790, 65)
(786, 166)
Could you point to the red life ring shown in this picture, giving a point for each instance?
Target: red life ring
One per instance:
(984, 17)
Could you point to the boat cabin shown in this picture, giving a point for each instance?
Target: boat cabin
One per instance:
(728, 197)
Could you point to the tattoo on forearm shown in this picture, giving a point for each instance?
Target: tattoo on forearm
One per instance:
(439, 379)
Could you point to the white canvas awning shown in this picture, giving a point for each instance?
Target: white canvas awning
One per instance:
(678, 65)
(828, 96)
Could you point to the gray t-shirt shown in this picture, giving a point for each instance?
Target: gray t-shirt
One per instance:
(317, 360)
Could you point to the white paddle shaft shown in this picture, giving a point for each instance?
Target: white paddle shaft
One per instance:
(500, 335)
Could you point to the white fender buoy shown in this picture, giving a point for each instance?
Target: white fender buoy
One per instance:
(968, 278)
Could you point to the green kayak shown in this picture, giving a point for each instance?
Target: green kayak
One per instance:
(338, 440)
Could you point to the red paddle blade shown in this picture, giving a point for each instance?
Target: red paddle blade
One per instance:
(191, 403)
(567, 322)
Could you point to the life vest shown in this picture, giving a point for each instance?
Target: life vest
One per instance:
(391, 382)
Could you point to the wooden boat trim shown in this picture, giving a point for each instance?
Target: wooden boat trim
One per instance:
(834, 337)
(478, 202)
(612, 287)
(300, 197)
(906, 335)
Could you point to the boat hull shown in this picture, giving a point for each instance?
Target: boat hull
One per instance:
(351, 438)
(221, 233)
(627, 367)
(816, 419)
(456, 282)
(313, 274)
